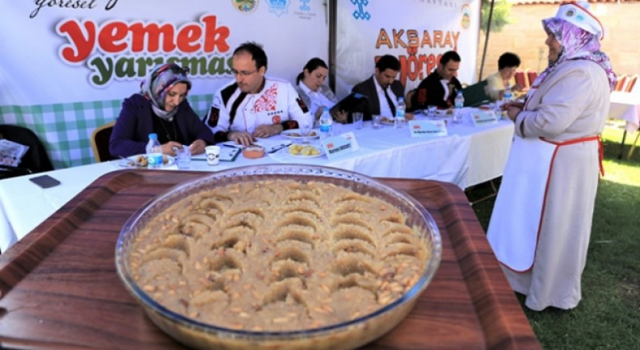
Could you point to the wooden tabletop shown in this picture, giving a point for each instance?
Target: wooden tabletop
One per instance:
(59, 287)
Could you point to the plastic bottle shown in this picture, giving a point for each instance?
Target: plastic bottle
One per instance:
(154, 151)
(325, 124)
(458, 104)
(507, 94)
(399, 120)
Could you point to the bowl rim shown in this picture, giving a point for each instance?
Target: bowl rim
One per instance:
(420, 285)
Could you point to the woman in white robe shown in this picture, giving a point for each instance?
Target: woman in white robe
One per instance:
(541, 222)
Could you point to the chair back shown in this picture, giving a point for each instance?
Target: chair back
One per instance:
(36, 159)
(100, 142)
(622, 80)
(631, 83)
(521, 79)
(532, 75)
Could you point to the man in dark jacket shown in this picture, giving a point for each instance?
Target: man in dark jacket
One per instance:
(382, 89)
(441, 86)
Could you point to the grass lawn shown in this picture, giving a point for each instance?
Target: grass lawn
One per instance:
(608, 317)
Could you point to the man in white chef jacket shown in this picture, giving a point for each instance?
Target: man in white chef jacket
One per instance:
(254, 105)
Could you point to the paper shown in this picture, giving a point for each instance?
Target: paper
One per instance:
(338, 145)
(482, 117)
(11, 152)
(427, 128)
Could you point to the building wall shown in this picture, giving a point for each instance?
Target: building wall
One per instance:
(525, 37)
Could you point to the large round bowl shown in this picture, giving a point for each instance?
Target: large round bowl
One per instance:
(346, 335)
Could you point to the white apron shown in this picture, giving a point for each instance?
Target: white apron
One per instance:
(518, 211)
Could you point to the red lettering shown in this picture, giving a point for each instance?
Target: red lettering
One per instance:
(112, 37)
(119, 36)
(150, 34)
(215, 36)
(188, 38)
(81, 43)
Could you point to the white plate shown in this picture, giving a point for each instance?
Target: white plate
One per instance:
(286, 151)
(444, 112)
(126, 163)
(295, 134)
(388, 121)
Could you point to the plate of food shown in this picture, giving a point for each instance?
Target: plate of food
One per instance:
(444, 112)
(304, 151)
(386, 121)
(140, 162)
(296, 134)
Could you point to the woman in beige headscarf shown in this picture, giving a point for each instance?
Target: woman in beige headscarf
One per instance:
(541, 221)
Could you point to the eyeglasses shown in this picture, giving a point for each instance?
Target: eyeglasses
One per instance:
(243, 73)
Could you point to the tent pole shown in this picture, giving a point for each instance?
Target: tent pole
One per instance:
(333, 23)
(486, 40)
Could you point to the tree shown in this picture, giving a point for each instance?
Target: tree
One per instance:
(500, 16)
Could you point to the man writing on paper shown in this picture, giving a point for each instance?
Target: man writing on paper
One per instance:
(254, 105)
(442, 85)
(382, 89)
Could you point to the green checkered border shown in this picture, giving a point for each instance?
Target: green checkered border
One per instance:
(65, 128)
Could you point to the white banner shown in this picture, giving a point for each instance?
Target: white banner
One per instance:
(63, 51)
(415, 31)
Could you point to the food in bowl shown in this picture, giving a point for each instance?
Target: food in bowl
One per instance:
(279, 261)
(253, 152)
(303, 150)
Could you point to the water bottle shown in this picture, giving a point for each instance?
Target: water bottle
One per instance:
(399, 121)
(154, 151)
(507, 94)
(325, 124)
(458, 104)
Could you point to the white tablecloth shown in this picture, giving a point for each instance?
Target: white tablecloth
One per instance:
(468, 156)
(626, 106)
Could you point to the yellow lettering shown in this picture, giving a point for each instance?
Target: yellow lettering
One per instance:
(412, 37)
(426, 40)
(397, 38)
(383, 39)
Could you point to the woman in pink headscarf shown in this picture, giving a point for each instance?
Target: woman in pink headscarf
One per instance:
(541, 221)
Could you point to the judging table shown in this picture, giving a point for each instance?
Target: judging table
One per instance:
(469, 155)
(626, 106)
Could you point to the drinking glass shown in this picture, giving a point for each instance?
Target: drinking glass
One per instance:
(357, 120)
(376, 121)
(432, 111)
(183, 158)
(305, 130)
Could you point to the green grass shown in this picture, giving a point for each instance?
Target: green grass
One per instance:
(608, 317)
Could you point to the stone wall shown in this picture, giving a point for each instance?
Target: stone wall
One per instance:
(525, 37)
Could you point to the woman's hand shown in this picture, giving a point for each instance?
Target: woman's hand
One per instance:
(197, 147)
(318, 113)
(513, 111)
(167, 148)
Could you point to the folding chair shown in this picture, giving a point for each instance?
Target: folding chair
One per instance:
(100, 142)
(621, 82)
(631, 83)
(532, 75)
(521, 80)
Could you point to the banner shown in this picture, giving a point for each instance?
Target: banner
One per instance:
(67, 65)
(418, 32)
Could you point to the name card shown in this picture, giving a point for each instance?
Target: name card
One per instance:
(482, 117)
(339, 145)
(428, 128)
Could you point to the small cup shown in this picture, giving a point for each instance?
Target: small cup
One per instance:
(357, 119)
(183, 158)
(213, 154)
(376, 121)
